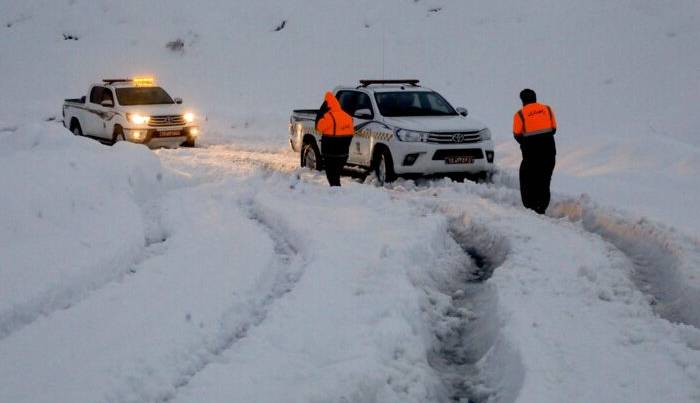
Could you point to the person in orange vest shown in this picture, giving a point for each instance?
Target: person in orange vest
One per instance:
(534, 127)
(337, 129)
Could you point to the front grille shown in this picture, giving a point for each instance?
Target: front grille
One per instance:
(168, 120)
(475, 153)
(454, 137)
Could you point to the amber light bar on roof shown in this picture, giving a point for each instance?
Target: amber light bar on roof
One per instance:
(143, 81)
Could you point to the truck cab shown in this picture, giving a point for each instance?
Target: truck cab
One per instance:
(135, 110)
(402, 129)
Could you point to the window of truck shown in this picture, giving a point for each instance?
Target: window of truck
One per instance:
(352, 101)
(97, 94)
(143, 96)
(413, 103)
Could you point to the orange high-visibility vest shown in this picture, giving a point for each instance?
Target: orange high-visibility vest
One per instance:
(335, 122)
(534, 119)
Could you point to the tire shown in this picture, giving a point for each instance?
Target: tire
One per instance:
(77, 130)
(459, 177)
(311, 157)
(189, 143)
(118, 135)
(384, 167)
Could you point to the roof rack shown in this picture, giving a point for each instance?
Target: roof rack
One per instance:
(116, 80)
(411, 82)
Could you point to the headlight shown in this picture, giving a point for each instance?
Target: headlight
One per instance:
(485, 134)
(137, 119)
(189, 117)
(409, 135)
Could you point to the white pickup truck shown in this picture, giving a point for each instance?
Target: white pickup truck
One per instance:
(401, 129)
(133, 110)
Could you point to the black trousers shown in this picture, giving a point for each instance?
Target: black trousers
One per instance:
(335, 152)
(535, 178)
(539, 159)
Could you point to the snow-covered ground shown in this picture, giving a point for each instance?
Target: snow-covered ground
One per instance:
(228, 274)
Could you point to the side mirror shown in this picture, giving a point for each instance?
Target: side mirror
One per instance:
(462, 111)
(178, 100)
(107, 103)
(363, 114)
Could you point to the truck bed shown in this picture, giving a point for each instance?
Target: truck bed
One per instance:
(304, 114)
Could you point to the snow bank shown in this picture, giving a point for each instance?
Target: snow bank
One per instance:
(666, 263)
(72, 218)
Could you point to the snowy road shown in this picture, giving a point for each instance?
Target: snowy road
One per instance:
(261, 284)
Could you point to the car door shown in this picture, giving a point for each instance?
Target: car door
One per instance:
(105, 113)
(353, 102)
(363, 117)
(91, 122)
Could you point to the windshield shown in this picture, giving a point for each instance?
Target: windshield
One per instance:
(413, 103)
(143, 96)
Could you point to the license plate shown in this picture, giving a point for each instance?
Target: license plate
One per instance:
(459, 160)
(170, 133)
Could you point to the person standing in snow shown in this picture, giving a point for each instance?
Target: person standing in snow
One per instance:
(337, 129)
(534, 127)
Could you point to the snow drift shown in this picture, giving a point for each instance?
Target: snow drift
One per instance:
(72, 218)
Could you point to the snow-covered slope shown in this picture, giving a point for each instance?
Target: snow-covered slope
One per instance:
(74, 216)
(228, 274)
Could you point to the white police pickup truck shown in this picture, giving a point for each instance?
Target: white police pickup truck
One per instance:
(133, 110)
(401, 129)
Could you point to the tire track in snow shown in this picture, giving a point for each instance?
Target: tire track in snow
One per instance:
(220, 162)
(659, 260)
(82, 286)
(657, 257)
(289, 268)
(660, 257)
(466, 328)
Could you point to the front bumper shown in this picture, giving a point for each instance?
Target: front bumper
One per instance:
(430, 158)
(162, 136)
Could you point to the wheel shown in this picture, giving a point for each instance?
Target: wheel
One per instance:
(458, 177)
(118, 135)
(188, 143)
(77, 131)
(384, 167)
(311, 157)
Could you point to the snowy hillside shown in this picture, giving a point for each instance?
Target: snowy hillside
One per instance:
(227, 274)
